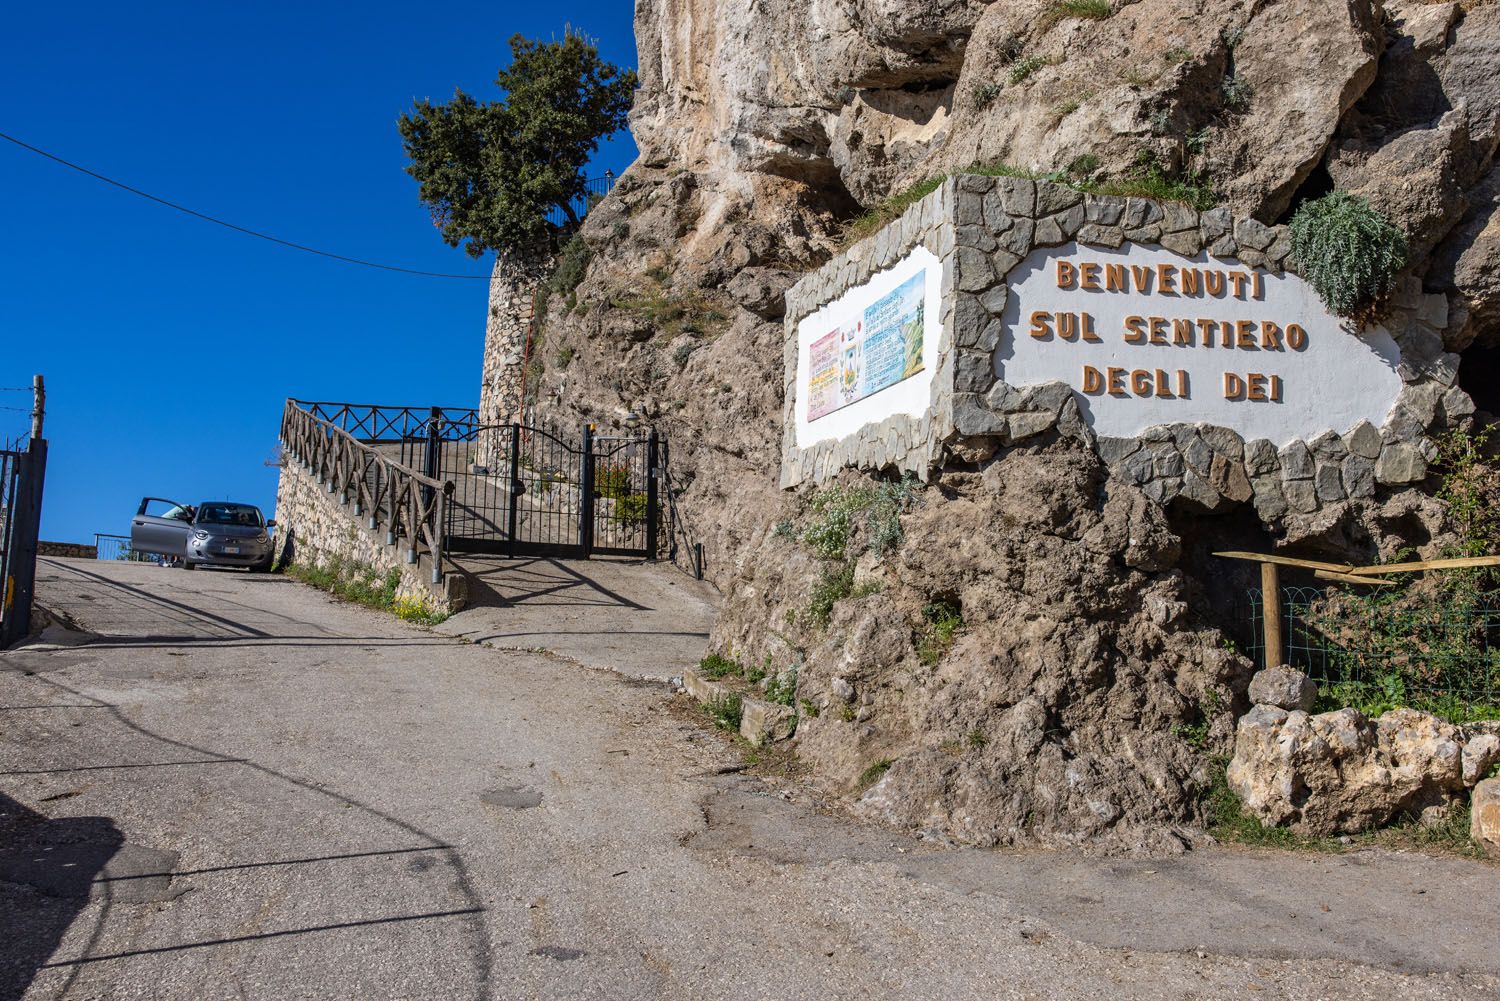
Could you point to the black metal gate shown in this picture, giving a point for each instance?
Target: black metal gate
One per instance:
(520, 489)
(22, 469)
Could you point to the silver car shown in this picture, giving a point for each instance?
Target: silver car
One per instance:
(215, 533)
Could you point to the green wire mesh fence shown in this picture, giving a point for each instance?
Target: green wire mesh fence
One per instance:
(1436, 653)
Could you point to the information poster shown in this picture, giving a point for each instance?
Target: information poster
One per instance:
(873, 353)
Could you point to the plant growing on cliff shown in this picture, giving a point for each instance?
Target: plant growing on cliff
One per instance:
(838, 511)
(942, 621)
(490, 172)
(889, 210)
(782, 688)
(726, 711)
(874, 773)
(1349, 252)
(1089, 10)
(846, 522)
(572, 263)
(1023, 68)
(1425, 642)
(985, 93)
(1471, 489)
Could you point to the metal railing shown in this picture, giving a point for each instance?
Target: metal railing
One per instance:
(594, 191)
(408, 505)
(1426, 651)
(118, 548)
(372, 422)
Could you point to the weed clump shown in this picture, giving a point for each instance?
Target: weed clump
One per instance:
(1089, 10)
(942, 621)
(889, 210)
(782, 688)
(874, 773)
(362, 584)
(985, 93)
(847, 521)
(716, 666)
(1236, 93)
(726, 711)
(1023, 68)
(1349, 252)
(572, 265)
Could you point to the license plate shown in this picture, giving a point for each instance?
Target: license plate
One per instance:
(231, 550)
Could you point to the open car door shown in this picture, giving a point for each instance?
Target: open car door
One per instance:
(161, 526)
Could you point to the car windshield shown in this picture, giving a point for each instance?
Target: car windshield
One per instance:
(230, 514)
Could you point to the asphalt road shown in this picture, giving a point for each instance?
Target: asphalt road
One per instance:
(241, 789)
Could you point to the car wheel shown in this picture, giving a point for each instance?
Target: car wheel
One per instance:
(189, 565)
(261, 567)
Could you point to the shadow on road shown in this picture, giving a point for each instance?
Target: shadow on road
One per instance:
(503, 581)
(47, 872)
(71, 857)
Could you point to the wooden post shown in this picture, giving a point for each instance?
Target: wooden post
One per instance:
(1270, 593)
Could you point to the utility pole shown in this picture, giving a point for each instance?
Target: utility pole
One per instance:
(39, 405)
(19, 585)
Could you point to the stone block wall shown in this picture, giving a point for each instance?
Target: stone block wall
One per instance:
(73, 550)
(514, 285)
(983, 227)
(313, 525)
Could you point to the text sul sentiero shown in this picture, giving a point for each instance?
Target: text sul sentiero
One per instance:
(1171, 280)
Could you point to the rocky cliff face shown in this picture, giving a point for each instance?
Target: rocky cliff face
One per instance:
(1091, 677)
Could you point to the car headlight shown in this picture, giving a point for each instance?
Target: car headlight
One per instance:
(262, 537)
(200, 535)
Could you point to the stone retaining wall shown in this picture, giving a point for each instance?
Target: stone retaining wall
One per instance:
(75, 550)
(312, 526)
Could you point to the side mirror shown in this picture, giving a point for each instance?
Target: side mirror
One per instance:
(270, 522)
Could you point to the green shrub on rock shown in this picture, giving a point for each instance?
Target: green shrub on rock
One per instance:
(1349, 252)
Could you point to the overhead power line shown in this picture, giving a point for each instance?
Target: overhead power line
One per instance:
(229, 225)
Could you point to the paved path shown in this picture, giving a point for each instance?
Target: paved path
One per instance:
(241, 789)
(647, 620)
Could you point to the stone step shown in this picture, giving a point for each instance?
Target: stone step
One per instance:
(761, 722)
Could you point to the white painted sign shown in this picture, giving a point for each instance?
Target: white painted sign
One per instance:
(871, 353)
(1145, 336)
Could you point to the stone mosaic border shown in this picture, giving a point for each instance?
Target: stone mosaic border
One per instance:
(982, 227)
(901, 440)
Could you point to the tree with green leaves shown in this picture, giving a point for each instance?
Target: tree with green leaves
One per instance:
(489, 173)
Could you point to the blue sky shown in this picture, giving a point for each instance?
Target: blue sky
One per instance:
(169, 344)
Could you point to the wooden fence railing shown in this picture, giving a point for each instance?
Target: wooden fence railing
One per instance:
(410, 507)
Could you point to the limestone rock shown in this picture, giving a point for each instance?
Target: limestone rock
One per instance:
(762, 291)
(1339, 772)
(1315, 57)
(1467, 266)
(1400, 463)
(1481, 754)
(1417, 178)
(765, 722)
(762, 128)
(1484, 816)
(1363, 440)
(1284, 688)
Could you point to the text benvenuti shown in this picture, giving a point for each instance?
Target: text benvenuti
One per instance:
(1170, 281)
